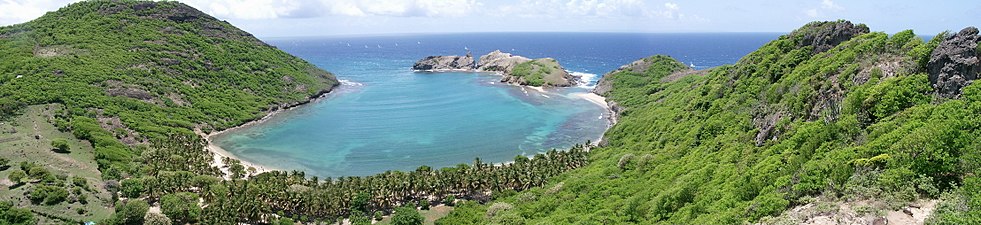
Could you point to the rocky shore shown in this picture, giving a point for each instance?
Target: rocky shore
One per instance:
(519, 70)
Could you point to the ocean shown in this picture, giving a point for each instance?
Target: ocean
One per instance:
(385, 117)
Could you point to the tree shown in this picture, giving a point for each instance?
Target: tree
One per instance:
(359, 218)
(132, 188)
(17, 176)
(15, 216)
(181, 207)
(49, 195)
(407, 216)
(60, 145)
(4, 164)
(156, 219)
(132, 212)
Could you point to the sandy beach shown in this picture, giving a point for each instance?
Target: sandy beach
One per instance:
(220, 153)
(594, 98)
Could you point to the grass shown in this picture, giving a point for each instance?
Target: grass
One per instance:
(433, 214)
(28, 137)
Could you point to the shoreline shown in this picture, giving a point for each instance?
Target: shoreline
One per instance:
(220, 153)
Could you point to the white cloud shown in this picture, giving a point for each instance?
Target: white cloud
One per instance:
(271, 9)
(13, 12)
(576, 8)
(828, 4)
(812, 13)
(671, 11)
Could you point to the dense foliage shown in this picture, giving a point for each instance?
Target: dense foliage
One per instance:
(137, 72)
(733, 144)
(782, 126)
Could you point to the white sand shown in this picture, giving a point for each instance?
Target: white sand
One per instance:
(221, 153)
(594, 98)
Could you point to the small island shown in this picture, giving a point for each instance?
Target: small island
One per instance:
(543, 72)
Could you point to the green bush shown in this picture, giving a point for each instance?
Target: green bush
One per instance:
(407, 216)
(48, 195)
(60, 145)
(181, 207)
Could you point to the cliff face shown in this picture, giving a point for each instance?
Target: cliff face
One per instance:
(954, 63)
(441, 63)
(823, 36)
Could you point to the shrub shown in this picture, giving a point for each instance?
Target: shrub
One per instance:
(60, 145)
(132, 188)
(181, 207)
(17, 176)
(49, 195)
(407, 215)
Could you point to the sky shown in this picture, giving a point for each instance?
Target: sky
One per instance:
(289, 18)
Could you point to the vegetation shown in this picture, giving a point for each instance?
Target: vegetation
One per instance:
(782, 126)
(731, 145)
(173, 70)
(407, 215)
(60, 145)
(539, 72)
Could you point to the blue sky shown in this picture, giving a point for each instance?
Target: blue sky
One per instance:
(284, 18)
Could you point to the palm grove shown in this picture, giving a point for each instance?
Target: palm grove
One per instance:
(806, 115)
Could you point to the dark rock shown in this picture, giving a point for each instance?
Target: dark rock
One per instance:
(954, 63)
(880, 221)
(453, 62)
(826, 35)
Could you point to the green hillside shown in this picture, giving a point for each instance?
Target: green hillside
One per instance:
(803, 118)
(129, 82)
(148, 70)
(541, 72)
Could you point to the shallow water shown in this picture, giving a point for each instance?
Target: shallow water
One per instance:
(386, 117)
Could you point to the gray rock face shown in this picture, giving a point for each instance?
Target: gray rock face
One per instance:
(826, 35)
(954, 63)
(452, 62)
(498, 61)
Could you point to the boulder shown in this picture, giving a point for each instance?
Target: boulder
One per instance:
(442, 63)
(498, 61)
(826, 35)
(954, 63)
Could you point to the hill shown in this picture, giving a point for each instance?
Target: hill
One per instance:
(131, 81)
(829, 114)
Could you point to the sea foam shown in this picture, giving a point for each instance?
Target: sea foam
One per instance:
(350, 83)
(586, 80)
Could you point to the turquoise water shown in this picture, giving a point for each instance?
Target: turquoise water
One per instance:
(436, 119)
(386, 117)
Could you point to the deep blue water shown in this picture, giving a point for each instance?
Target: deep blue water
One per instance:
(386, 117)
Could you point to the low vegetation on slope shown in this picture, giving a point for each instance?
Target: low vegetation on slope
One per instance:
(131, 73)
(131, 81)
(541, 72)
(827, 111)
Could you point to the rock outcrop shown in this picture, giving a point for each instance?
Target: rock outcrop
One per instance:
(445, 63)
(826, 35)
(498, 61)
(604, 85)
(545, 72)
(954, 63)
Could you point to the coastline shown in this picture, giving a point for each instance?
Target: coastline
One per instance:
(220, 153)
